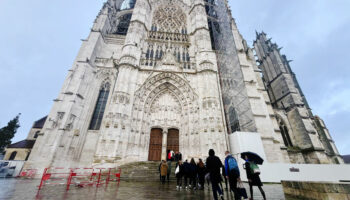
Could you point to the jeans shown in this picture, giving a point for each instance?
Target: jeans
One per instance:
(193, 181)
(216, 188)
(232, 178)
(179, 180)
(201, 180)
(186, 177)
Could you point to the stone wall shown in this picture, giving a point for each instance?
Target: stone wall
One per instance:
(316, 190)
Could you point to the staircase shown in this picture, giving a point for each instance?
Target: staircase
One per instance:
(144, 171)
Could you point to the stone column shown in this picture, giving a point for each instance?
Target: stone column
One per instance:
(164, 144)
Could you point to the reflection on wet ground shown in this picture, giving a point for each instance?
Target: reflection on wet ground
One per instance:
(27, 189)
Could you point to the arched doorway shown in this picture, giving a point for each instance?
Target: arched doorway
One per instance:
(155, 145)
(173, 140)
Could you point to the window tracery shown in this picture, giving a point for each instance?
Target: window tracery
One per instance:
(97, 116)
(285, 134)
(213, 25)
(124, 22)
(128, 4)
(168, 32)
(169, 18)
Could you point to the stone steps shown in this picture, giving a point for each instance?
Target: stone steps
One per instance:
(144, 171)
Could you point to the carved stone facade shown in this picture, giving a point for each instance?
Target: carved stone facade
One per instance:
(305, 136)
(151, 64)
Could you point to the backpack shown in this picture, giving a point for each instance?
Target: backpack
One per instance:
(232, 164)
(254, 169)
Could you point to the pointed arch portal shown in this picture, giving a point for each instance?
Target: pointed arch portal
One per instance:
(165, 100)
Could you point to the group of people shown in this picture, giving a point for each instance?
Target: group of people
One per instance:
(194, 174)
(174, 156)
(191, 172)
(165, 166)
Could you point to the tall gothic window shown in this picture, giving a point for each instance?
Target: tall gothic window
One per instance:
(213, 25)
(128, 4)
(285, 135)
(100, 107)
(124, 22)
(234, 122)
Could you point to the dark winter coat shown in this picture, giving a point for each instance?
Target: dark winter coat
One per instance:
(214, 165)
(176, 157)
(201, 170)
(169, 167)
(181, 170)
(179, 156)
(193, 170)
(186, 169)
(255, 178)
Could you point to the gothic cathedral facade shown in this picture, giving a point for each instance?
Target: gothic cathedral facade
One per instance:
(160, 75)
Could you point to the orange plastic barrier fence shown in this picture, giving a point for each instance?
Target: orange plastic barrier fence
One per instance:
(79, 176)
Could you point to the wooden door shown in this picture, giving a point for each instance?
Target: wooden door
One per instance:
(155, 145)
(173, 140)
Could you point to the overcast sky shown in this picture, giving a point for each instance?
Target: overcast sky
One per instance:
(40, 39)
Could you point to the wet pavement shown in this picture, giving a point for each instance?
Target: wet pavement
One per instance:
(27, 189)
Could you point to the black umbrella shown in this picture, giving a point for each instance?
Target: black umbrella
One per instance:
(252, 157)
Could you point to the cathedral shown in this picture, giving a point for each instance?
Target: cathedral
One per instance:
(161, 75)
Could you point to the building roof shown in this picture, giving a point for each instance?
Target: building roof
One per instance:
(346, 159)
(25, 144)
(40, 123)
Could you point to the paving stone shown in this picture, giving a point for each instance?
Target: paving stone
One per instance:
(125, 190)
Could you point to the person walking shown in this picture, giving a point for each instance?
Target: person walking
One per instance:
(169, 155)
(172, 155)
(207, 178)
(201, 174)
(180, 156)
(169, 171)
(163, 170)
(160, 175)
(253, 177)
(214, 165)
(176, 156)
(179, 172)
(186, 174)
(193, 174)
(232, 173)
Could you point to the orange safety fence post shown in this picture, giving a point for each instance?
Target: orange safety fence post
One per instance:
(77, 176)
(45, 177)
(117, 175)
(99, 177)
(69, 180)
(108, 177)
(92, 174)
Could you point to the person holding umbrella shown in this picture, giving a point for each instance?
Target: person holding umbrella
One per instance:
(253, 171)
